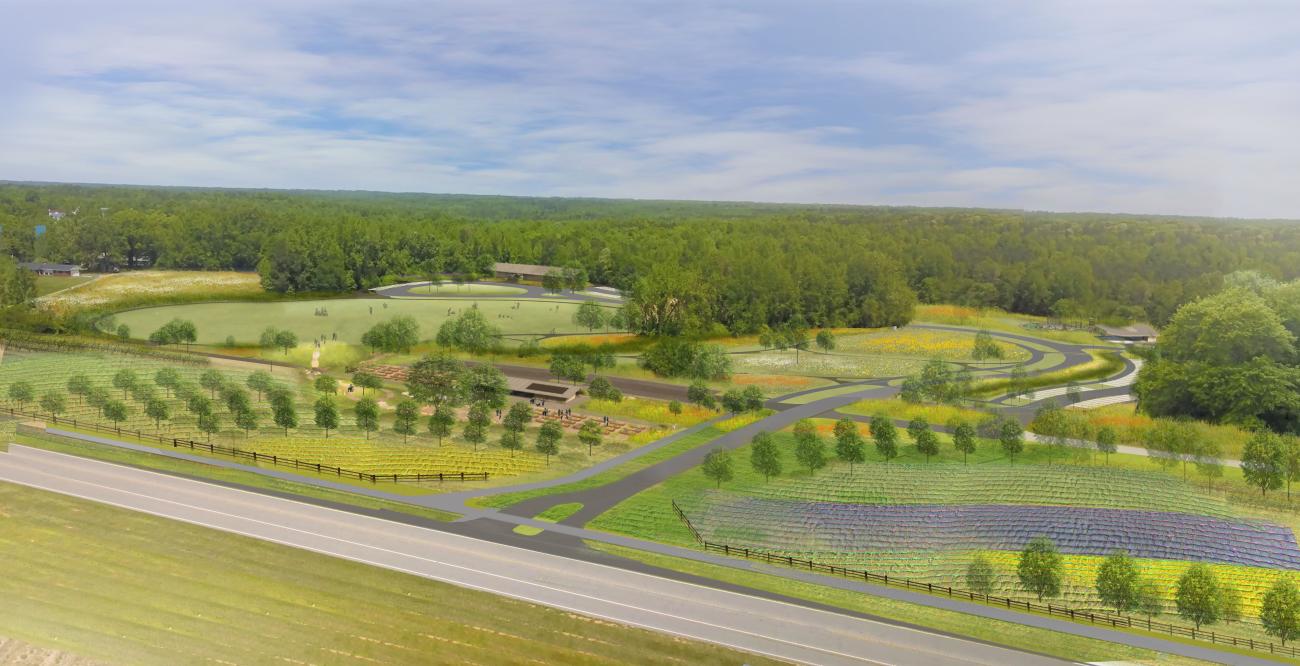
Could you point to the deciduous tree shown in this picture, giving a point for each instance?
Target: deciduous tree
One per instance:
(717, 466)
(765, 456)
(1039, 569)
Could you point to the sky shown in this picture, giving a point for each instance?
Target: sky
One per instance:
(1174, 107)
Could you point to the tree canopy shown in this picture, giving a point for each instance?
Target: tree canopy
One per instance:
(685, 265)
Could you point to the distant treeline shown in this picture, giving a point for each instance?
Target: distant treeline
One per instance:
(690, 264)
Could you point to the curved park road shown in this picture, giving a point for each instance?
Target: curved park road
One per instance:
(600, 499)
(528, 291)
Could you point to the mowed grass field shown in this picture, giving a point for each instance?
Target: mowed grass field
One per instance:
(125, 587)
(350, 318)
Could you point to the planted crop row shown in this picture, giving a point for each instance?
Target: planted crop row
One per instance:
(1102, 487)
(834, 527)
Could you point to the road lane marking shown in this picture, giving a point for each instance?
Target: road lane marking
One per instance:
(449, 580)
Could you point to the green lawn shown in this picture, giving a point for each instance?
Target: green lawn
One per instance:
(127, 587)
(349, 318)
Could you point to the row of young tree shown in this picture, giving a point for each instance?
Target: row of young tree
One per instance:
(741, 265)
(767, 457)
(437, 380)
(1199, 596)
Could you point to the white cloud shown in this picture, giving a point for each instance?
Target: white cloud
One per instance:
(1145, 107)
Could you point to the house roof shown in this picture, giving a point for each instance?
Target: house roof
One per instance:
(1138, 330)
(523, 269)
(41, 266)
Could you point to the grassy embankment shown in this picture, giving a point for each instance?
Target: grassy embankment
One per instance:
(124, 587)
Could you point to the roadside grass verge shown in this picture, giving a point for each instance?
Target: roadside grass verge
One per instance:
(121, 586)
(198, 470)
(1103, 364)
(1010, 634)
(559, 512)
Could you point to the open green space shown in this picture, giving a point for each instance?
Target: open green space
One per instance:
(136, 288)
(127, 587)
(349, 319)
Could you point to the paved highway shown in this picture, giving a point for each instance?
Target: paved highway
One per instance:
(756, 625)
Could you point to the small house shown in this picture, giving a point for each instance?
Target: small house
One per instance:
(40, 268)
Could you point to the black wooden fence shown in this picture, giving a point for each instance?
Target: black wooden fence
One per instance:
(1104, 619)
(253, 456)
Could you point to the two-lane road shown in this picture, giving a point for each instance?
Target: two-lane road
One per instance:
(756, 625)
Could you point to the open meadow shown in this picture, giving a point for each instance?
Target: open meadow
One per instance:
(135, 287)
(345, 320)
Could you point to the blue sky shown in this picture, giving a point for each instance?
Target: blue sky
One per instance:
(1149, 107)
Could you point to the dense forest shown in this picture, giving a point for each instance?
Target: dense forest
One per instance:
(738, 264)
(1231, 357)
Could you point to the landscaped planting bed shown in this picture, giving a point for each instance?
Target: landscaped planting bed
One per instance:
(924, 343)
(838, 527)
(823, 365)
(895, 483)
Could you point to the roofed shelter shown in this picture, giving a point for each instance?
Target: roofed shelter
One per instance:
(546, 390)
(1129, 334)
(522, 271)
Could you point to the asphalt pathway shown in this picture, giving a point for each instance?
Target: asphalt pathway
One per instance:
(753, 624)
